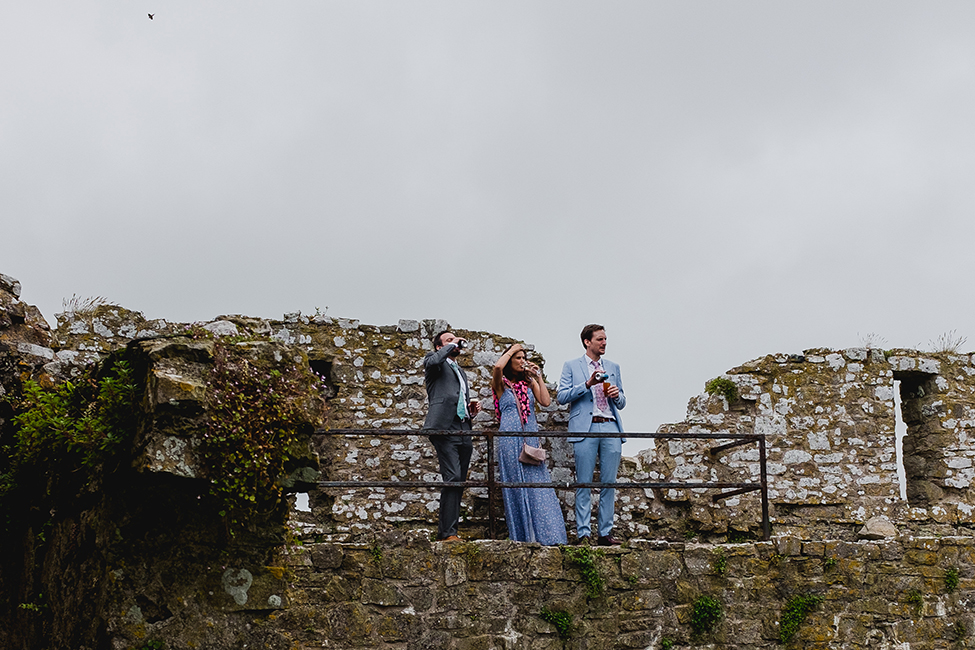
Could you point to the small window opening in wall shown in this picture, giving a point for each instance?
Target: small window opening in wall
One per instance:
(323, 368)
(916, 429)
(900, 430)
(301, 502)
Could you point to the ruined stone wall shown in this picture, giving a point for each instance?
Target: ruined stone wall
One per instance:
(374, 380)
(138, 556)
(411, 594)
(828, 417)
(829, 421)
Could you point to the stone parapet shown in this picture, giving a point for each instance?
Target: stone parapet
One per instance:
(828, 417)
(401, 592)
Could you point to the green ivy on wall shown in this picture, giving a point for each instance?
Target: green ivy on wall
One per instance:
(794, 613)
(256, 416)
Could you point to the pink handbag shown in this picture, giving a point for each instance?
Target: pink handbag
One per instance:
(531, 455)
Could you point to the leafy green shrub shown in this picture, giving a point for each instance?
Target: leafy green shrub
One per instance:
(61, 434)
(471, 553)
(951, 579)
(706, 611)
(560, 619)
(914, 597)
(720, 562)
(724, 387)
(585, 559)
(376, 553)
(81, 421)
(794, 613)
(666, 643)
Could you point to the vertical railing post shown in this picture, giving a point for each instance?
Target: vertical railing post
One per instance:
(766, 526)
(491, 487)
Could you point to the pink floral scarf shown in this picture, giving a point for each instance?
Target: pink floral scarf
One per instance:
(520, 390)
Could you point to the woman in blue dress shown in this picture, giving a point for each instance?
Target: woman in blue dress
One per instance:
(532, 514)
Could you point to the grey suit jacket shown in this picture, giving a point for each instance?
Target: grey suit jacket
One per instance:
(443, 388)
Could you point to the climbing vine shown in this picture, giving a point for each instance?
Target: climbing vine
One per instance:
(256, 416)
(585, 559)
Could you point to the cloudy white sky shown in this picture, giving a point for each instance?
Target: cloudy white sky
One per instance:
(713, 181)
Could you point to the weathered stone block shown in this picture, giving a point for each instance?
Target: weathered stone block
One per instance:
(816, 549)
(240, 588)
(920, 557)
(327, 556)
(379, 592)
(788, 546)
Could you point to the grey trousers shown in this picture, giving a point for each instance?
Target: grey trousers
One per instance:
(454, 454)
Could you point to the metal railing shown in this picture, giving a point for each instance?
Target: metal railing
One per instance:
(493, 485)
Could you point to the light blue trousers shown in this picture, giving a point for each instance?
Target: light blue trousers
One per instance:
(609, 451)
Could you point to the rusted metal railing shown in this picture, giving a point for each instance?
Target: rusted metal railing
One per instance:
(493, 485)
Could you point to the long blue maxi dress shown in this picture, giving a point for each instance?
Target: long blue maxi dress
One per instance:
(532, 514)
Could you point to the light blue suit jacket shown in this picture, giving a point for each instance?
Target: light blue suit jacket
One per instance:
(572, 390)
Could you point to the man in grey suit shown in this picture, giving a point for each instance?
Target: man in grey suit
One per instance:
(451, 409)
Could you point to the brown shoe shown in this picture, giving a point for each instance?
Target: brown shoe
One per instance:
(452, 538)
(583, 541)
(608, 540)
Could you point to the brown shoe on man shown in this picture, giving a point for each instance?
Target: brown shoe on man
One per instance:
(583, 541)
(608, 540)
(452, 538)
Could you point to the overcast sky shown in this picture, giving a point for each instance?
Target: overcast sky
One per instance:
(713, 181)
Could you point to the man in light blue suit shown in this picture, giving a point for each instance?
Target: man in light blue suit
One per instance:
(594, 388)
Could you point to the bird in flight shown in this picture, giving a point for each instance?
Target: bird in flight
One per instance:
(151, 15)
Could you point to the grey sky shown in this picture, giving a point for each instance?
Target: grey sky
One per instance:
(712, 181)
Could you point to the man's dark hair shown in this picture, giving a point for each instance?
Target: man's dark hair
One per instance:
(436, 339)
(589, 331)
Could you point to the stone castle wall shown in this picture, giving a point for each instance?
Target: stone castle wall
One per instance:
(411, 594)
(134, 559)
(828, 417)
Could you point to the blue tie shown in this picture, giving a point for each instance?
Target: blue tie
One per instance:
(461, 405)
